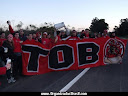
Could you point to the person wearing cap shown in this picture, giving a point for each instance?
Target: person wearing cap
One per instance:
(73, 36)
(8, 53)
(58, 38)
(45, 40)
(17, 65)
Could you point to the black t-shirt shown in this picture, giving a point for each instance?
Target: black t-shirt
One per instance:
(82, 36)
(63, 36)
(23, 37)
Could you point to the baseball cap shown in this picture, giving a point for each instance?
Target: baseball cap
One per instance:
(45, 33)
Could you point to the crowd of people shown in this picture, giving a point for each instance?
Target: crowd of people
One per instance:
(10, 47)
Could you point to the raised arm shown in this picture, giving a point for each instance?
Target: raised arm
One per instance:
(10, 27)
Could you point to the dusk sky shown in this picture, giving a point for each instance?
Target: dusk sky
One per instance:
(76, 13)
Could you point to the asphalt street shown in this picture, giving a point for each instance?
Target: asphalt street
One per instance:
(42, 83)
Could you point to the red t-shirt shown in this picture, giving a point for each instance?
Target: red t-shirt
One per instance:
(29, 41)
(46, 42)
(51, 41)
(87, 35)
(59, 39)
(17, 45)
(1, 41)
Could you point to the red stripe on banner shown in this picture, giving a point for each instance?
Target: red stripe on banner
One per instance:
(89, 50)
(60, 56)
(89, 57)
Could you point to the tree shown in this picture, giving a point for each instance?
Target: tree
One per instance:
(122, 30)
(1, 29)
(19, 25)
(98, 25)
(33, 27)
(27, 28)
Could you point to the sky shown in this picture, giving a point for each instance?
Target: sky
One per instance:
(76, 13)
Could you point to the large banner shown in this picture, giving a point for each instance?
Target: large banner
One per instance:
(71, 55)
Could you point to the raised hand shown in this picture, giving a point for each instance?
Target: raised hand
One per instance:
(8, 66)
(8, 22)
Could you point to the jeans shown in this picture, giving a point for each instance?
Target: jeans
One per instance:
(8, 73)
(17, 65)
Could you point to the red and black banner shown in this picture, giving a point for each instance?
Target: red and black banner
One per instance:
(71, 55)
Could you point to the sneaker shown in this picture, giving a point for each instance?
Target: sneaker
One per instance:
(13, 80)
(9, 80)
